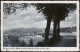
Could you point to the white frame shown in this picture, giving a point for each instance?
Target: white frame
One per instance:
(40, 48)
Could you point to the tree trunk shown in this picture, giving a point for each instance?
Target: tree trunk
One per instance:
(58, 29)
(54, 29)
(47, 29)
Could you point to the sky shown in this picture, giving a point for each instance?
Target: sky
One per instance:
(30, 18)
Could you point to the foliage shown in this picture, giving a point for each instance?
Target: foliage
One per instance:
(56, 10)
(13, 40)
(10, 8)
(31, 42)
(56, 13)
(40, 44)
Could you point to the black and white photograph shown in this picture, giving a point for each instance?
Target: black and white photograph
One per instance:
(43, 24)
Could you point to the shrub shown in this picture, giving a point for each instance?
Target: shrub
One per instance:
(40, 44)
(13, 41)
(30, 42)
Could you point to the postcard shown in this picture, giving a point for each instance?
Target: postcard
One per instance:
(40, 25)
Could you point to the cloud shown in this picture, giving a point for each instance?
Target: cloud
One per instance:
(30, 18)
(72, 17)
(24, 19)
(65, 24)
(70, 20)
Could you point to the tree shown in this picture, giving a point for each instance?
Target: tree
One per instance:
(46, 10)
(61, 12)
(52, 12)
(56, 13)
(10, 8)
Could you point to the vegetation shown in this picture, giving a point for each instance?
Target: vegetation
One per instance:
(13, 41)
(30, 42)
(53, 13)
(10, 8)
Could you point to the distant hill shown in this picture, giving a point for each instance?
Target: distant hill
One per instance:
(66, 29)
(24, 30)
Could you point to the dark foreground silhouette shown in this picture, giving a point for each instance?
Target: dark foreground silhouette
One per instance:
(63, 41)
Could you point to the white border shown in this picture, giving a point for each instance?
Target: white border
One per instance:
(40, 48)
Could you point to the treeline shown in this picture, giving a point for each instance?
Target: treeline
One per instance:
(68, 29)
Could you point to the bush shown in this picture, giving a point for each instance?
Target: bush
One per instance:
(31, 43)
(40, 44)
(22, 44)
(13, 41)
(5, 40)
